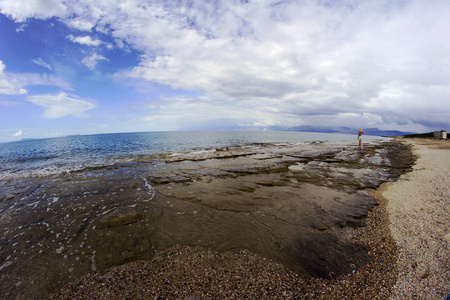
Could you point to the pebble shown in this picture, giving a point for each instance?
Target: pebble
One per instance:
(183, 272)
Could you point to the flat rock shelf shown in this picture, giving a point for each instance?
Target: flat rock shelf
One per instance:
(300, 209)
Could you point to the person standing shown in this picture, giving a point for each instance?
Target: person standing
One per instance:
(360, 133)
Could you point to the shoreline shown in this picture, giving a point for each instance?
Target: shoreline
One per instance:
(183, 272)
(282, 201)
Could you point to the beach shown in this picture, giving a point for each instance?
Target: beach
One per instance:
(297, 219)
(418, 205)
(407, 235)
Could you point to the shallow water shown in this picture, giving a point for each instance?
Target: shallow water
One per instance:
(275, 199)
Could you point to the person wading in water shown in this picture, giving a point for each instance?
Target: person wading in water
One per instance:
(360, 133)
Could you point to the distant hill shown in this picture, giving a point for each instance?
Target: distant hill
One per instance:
(310, 128)
(343, 130)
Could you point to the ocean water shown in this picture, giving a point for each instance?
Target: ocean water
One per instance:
(56, 155)
(273, 193)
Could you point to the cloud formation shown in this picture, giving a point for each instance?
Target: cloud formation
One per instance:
(40, 62)
(382, 63)
(14, 84)
(84, 40)
(61, 105)
(19, 133)
(9, 86)
(20, 10)
(91, 61)
(184, 111)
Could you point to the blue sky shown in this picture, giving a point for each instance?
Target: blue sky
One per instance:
(96, 66)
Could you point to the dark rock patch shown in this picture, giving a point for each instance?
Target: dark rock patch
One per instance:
(121, 216)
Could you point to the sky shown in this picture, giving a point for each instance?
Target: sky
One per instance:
(103, 66)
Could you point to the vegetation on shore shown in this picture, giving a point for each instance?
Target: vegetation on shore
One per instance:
(419, 135)
(422, 135)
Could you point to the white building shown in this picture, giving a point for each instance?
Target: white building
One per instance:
(440, 134)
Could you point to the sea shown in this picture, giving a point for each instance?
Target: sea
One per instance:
(277, 194)
(41, 157)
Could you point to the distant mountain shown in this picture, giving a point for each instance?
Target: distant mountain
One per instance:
(310, 128)
(378, 132)
(347, 130)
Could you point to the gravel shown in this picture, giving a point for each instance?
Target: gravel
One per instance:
(419, 208)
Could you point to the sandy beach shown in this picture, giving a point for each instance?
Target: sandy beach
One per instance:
(418, 205)
(406, 235)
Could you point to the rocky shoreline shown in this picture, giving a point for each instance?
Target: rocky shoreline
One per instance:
(305, 213)
(184, 272)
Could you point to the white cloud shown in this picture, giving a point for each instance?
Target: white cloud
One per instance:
(19, 133)
(27, 79)
(91, 61)
(304, 59)
(21, 28)
(62, 105)
(40, 62)
(199, 112)
(84, 40)
(13, 83)
(20, 10)
(9, 86)
(293, 61)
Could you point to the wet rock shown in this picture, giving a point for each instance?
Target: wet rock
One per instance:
(161, 180)
(229, 192)
(247, 188)
(275, 182)
(121, 216)
(9, 197)
(297, 168)
(188, 197)
(332, 160)
(181, 179)
(256, 169)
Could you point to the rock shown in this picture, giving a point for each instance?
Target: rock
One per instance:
(106, 276)
(332, 160)
(322, 228)
(180, 179)
(275, 182)
(161, 180)
(120, 216)
(247, 188)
